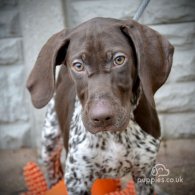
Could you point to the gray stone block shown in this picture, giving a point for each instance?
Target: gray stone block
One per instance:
(12, 107)
(10, 51)
(80, 11)
(9, 23)
(166, 11)
(178, 125)
(14, 136)
(176, 97)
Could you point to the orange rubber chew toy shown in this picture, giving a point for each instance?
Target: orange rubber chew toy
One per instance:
(34, 179)
(37, 185)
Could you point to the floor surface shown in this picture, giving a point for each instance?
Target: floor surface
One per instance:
(178, 156)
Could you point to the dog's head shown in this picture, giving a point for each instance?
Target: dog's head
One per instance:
(109, 61)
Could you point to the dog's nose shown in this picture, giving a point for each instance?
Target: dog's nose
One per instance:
(102, 114)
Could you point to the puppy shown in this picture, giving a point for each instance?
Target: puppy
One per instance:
(104, 104)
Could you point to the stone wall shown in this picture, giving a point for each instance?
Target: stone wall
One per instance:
(25, 25)
(14, 129)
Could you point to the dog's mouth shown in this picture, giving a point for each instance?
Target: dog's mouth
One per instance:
(110, 128)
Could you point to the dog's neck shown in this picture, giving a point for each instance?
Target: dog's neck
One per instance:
(133, 133)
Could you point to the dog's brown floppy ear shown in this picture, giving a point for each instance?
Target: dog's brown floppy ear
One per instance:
(154, 57)
(41, 82)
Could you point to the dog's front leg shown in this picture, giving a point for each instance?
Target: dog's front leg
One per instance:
(144, 180)
(78, 178)
(144, 153)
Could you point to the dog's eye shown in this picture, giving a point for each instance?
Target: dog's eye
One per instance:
(119, 60)
(78, 66)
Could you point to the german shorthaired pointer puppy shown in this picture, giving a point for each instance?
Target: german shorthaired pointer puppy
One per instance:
(103, 105)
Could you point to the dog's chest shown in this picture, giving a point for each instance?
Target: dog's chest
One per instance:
(107, 154)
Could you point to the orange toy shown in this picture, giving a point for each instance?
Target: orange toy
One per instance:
(34, 179)
(104, 186)
(112, 187)
(36, 184)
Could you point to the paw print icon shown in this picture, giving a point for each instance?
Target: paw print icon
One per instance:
(160, 170)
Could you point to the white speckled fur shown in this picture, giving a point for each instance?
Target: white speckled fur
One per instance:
(102, 155)
(131, 151)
